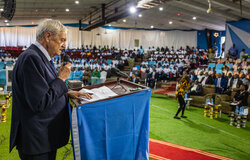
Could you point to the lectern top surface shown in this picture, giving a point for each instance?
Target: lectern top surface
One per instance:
(122, 89)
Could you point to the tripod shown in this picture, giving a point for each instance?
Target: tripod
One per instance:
(118, 83)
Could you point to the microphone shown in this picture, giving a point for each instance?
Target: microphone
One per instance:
(66, 59)
(118, 73)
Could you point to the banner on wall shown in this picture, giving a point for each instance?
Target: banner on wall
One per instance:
(238, 33)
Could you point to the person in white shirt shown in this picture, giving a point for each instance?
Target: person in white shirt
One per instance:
(134, 69)
(244, 79)
(236, 82)
(174, 72)
(172, 65)
(200, 75)
(158, 69)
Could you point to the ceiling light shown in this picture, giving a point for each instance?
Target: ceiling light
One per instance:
(76, 2)
(170, 22)
(194, 18)
(132, 9)
(5, 21)
(1, 9)
(140, 15)
(109, 25)
(151, 26)
(7, 24)
(161, 8)
(67, 10)
(124, 20)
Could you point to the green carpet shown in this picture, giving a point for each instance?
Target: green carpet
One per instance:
(4, 147)
(215, 136)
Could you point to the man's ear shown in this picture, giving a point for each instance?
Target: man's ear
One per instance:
(47, 36)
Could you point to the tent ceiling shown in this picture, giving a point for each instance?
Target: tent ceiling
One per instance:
(28, 11)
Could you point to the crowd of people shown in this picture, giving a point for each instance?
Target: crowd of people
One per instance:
(226, 75)
(153, 65)
(160, 64)
(229, 75)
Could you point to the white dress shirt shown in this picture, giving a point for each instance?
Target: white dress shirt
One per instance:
(44, 51)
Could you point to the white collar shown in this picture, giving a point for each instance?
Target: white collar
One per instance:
(44, 51)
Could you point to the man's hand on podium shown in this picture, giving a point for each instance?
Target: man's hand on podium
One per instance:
(78, 95)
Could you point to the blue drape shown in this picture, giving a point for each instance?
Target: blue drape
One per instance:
(114, 129)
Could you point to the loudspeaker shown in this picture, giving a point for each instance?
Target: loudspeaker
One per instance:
(209, 38)
(9, 9)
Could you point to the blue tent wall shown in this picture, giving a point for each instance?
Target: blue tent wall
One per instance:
(244, 26)
(201, 39)
(202, 42)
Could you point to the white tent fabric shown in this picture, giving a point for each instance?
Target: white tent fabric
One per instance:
(238, 33)
(17, 36)
(124, 39)
(228, 42)
(244, 36)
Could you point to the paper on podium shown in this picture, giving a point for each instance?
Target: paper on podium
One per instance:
(98, 94)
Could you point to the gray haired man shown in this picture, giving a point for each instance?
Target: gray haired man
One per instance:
(40, 117)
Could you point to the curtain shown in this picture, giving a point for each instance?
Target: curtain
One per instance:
(120, 38)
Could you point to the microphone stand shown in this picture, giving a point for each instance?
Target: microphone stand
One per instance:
(118, 83)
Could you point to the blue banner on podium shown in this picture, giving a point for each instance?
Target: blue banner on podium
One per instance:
(114, 129)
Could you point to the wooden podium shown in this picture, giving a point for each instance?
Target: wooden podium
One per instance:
(129, 86)
(112, 128)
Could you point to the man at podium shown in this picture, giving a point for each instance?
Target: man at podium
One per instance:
(40, 117)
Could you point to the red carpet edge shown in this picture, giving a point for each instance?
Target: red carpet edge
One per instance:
(161, 150)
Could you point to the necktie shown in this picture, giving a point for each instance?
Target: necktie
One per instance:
(53, 66)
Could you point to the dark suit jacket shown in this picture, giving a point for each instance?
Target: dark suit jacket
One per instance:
(243, 97)
(193, 77)
(239, 82)
(198, 89)
(231, 82)
(132, 80)
(155, 76)
(222, 82)
(40, 117)
(209, 80)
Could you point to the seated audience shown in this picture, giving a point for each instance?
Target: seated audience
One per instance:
(241, 97)
(242, 53)
(103, 76)
(244, 79)
(152, 78)
(134, 79)
(220, 84)
(86, 76)
(95, 77)
(196, 89)
(207, 80)
(236, 82)
(229, 84)
(193, 77)
(200, 76)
